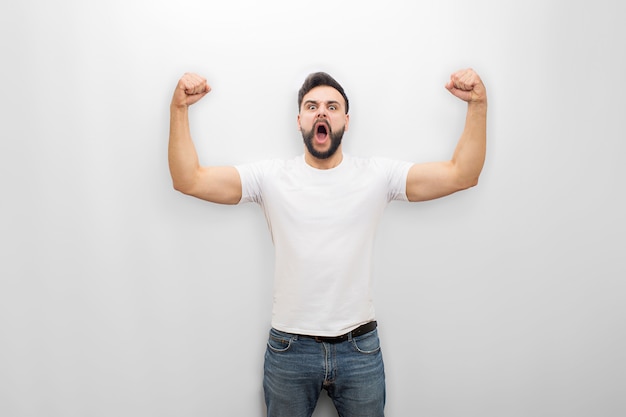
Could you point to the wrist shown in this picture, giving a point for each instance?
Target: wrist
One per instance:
(477, 105)
(179, 108)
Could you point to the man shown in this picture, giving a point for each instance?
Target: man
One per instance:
(322, 209)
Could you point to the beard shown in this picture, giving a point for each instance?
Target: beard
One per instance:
(334, 137)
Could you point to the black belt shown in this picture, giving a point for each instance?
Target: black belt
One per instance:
(361, 330)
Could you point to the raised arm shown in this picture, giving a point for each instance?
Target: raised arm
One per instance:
(437, 179)
(216, 184)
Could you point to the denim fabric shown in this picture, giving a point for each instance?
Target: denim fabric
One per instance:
(298, 368)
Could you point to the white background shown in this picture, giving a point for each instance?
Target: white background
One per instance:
(121, 297)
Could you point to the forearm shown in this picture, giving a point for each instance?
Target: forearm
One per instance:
(182, 155)
(469, 155)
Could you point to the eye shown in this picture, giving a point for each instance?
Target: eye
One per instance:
(312, 107)
(332, 107)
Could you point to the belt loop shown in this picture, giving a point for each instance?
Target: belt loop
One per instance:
(350, 336)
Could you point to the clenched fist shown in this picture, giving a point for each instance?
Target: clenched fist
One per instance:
(467, 86)
(191, 88)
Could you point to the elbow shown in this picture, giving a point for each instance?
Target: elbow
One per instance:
(467, 183)
(473, 182)
(184, 182)
(468, 178)
(181, 187)
(178, 188)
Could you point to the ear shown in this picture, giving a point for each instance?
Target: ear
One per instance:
(298, 122)
(347, 122)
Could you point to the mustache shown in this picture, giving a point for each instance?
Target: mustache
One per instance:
(324, 122)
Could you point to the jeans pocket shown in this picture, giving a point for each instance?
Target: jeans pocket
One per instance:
(278, 341)
(367, 343)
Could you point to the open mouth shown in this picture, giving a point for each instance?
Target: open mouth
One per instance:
(321, 132)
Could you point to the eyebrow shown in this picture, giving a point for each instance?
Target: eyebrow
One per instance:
(335, 102)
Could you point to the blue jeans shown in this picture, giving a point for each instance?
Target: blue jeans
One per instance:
(298, 368)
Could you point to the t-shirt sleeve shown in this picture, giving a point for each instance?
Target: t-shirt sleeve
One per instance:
(252, 176)
(396, 172)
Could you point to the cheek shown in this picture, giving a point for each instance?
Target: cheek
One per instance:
(340, 121)
(305, 123)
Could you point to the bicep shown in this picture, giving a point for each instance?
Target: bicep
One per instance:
(432, 180)
(218, 184)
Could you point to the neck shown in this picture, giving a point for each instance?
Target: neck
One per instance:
(327, 163)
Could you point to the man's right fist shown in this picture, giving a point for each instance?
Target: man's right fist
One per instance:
(191, 88)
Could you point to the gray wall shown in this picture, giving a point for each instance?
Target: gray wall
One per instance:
(121, 297)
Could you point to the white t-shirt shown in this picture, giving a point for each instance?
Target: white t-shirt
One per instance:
(323, 224)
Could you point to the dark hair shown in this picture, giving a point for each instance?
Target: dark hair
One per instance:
(318, 79)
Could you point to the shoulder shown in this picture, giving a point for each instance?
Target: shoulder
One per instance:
(256, 176)
(259, 171)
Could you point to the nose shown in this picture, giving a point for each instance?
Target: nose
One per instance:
(322, 112)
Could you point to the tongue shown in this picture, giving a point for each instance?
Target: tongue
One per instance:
(321, 137)
(321, 134)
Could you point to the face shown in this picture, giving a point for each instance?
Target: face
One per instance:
(322, 121)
